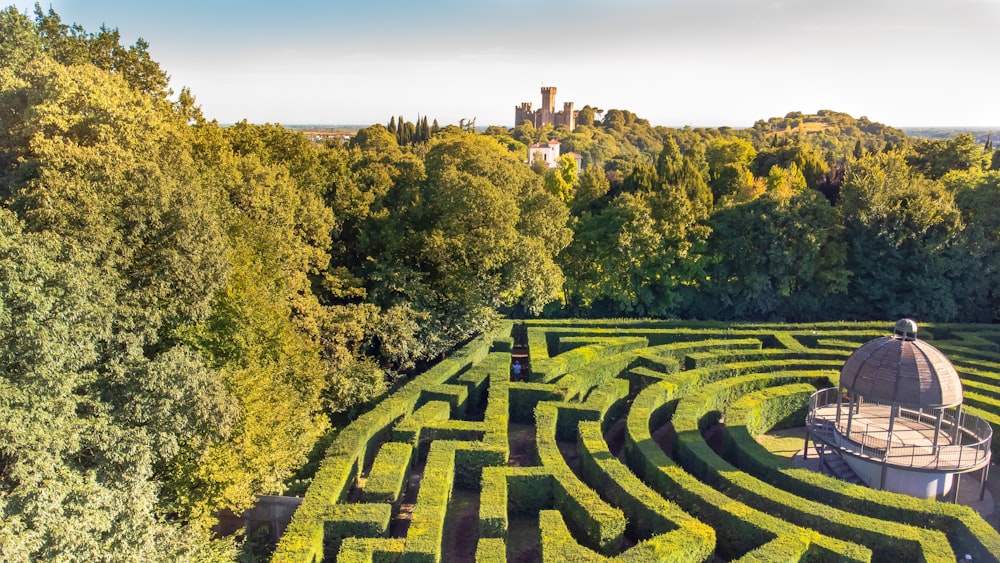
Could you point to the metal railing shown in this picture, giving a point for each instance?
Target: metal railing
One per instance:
(967, 445)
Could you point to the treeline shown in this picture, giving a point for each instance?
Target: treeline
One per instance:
(806, 217)
(184, 307)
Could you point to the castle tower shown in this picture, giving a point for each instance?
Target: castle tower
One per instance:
(523, 113)
(549, 99)
(547, 114)
(567, 116)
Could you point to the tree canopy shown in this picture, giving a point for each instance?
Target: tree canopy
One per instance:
(187, 308)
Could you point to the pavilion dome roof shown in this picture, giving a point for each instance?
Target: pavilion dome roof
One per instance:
(901, 369)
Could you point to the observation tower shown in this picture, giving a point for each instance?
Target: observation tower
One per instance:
(896, 419)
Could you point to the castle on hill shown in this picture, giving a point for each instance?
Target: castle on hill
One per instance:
(547, 115)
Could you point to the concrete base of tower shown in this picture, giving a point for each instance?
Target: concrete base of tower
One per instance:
(921, 484)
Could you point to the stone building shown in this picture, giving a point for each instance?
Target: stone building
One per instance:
(547, 114)
(549, 153)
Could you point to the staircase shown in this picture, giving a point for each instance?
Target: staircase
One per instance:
(835, 465)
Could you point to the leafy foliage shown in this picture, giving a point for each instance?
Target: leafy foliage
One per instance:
(184, 306)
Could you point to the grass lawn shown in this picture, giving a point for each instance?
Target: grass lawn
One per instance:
(785, 443)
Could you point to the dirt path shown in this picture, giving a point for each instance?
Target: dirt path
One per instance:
(615, 437)
(666, 438)
(401, 521)
(521, 441)
(524, 540)
(461, 527)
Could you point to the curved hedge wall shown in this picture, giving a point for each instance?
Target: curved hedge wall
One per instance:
(612, 450)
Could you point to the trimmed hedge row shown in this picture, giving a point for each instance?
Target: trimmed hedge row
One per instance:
(967, 532)
(538, 345)
(423, 538)
(349, 520)
(619, 343)
(668, 358)
(660, 524)
(510, 491)
(496, 418)
(370, 550)
(740, 530)
(303, 538)
(600, 525)
(457, 396)
(771, 408)
(705, 359)
(388, 474)
(558, 544)
(491, 550)
(408, 429)
(449, 465)
(546, 370)
(577, 385)
(895, 543)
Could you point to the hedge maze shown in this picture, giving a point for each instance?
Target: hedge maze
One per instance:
(626, 441)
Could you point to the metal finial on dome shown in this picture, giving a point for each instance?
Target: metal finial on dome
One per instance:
(906, 329)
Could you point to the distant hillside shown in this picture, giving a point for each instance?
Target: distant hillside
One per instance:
(833, 132)
(981, 134)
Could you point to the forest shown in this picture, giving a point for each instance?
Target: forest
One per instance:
(188, 308)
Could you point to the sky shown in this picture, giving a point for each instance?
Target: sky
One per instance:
(905, 63)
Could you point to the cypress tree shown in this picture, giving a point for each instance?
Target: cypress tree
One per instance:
(425, 130)
(392, 125)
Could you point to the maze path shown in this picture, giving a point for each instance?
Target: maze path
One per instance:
(612, 463)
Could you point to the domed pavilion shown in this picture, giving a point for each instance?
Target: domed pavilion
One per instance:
(896, 419)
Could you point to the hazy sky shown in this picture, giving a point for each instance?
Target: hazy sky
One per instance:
(673, 62)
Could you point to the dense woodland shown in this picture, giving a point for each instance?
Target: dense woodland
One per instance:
(185, 307)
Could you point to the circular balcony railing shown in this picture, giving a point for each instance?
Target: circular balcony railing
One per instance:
(920, 439)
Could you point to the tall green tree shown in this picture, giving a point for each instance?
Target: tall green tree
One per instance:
(480, 232)
(776, 258)
(906, 249)
(935, 158)
(641, 253)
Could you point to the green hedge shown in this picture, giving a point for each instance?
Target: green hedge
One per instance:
(577, 384)
(524, 397)
(455, 395)
(370, 550)
(538, 345)
(739, 529)
(549, 369)
(967, 532)
(448, 465)
(302, 541)
(423, 537)
(558, 544)
(410, 428)
(888, 543)
(349, 520)
(507, 491)
(496, 417)
(708, 358)
(470, 460)
(649, 515)
(614, 344)
(491, 550)
(388, 474)
(599, 525)
(772, 408)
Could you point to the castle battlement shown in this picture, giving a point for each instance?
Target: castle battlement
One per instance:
(546, 115)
